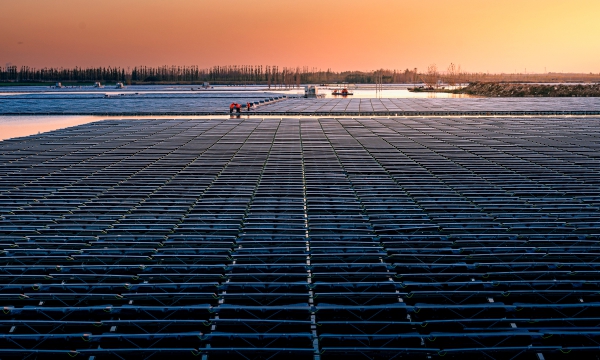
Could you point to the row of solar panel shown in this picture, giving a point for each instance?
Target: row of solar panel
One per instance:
(276, 242)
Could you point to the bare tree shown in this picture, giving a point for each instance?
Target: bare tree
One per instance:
(459, 75)
(431, 77)
(451, 75)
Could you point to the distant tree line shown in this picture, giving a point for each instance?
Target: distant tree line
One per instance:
(453, 75)
(231, 74)
(270, 75)
(29, 74)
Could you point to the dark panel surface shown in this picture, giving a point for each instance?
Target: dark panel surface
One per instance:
(302, 238)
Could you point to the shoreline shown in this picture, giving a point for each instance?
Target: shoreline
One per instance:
(241, 84)
(502, 89)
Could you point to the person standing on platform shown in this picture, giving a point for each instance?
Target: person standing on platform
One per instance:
(249, 106)
(238, 108)
(231, 107)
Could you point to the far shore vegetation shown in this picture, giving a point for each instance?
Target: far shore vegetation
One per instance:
(273, 76)
(494, 89)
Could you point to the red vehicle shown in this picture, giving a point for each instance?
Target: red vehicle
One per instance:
(343, 92)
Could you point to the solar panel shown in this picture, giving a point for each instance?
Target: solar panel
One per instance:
(301, 237)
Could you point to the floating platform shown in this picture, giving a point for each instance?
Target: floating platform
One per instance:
(277, 104)
(441, 106)
(310, 238)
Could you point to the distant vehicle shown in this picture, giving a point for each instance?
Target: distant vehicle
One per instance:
(98, 85)
(120, 85)
(58, 85)
(343, 92)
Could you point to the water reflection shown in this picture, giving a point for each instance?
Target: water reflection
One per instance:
(17, 126)
(370, 93)
(395, 93)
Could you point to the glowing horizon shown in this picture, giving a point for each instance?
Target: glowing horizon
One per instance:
(509, 36)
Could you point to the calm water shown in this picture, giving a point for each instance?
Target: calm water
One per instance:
(17, 126)
(359, 91)
(389, 91)
(398, 93)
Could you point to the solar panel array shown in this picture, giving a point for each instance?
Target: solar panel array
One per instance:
(302, 238)
(436, 106)
(131, 103)
(268, 103)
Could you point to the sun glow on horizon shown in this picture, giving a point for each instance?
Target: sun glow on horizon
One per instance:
(508, 36)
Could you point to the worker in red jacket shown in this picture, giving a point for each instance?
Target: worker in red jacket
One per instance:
(238, 108)
(249, 106)
(231, 107)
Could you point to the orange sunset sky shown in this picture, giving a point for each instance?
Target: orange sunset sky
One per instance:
(480, 35)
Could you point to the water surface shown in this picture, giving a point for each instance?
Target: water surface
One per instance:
(17, 126)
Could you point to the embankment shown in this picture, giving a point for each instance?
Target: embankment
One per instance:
(527, 90)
